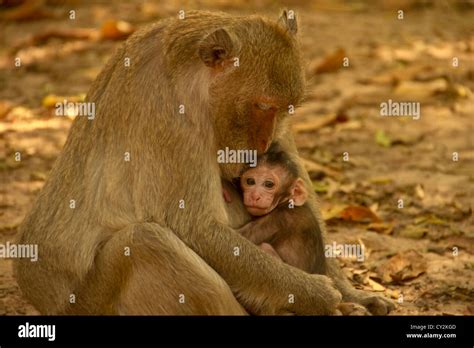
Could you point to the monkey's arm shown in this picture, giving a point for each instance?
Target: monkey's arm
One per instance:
(376, 304)
(203, 226)
(264, 289)
(260, 230)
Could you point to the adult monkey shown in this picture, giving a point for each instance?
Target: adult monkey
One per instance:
(151, 235)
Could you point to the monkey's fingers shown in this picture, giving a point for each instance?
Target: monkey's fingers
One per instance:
(377, 305)
(350, 308)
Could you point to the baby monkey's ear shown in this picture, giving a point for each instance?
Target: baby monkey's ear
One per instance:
(299, 193)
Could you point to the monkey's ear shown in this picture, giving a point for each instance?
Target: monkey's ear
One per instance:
(216, 48)
(299, 193)
(287, 22)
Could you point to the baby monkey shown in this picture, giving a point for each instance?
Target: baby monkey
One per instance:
(283, 224)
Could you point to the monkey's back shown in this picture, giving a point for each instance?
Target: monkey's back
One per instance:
(299, 241)
(90, 194)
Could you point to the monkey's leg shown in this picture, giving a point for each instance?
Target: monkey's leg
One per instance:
(147, 269)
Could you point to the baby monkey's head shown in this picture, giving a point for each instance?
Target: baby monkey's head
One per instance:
(273, 181)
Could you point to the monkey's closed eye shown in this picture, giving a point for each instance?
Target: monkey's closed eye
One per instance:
(262, 106)
(250, 181)
(265, 107)
(268, 184)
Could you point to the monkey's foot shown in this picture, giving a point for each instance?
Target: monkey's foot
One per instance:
(377, 305)
(353, 309)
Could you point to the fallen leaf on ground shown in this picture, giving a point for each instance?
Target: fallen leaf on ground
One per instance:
(116, 30)
(419, 191)
(61, 33)
(374, 285)
(332, 212)
(5, 107)
(312, 166)
(382, 139)
(318, 122)
(420, 90)
(320, 187)
(38, 176)
(354, 213)
(51, 100)
(27, 10)
(331, 62)
(359, 213)
(381, 180)
(404, 266)
(430, 220)
(381, 227)
(393, 293)
(414, 232)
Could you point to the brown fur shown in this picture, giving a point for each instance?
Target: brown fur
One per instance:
(135, 204)
(289, 232)
(294, 235)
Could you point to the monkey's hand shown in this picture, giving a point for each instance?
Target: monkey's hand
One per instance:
(318, 296)
(260, 230)
(377, 305)
(247, 231)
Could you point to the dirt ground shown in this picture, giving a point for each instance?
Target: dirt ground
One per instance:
(364, 165)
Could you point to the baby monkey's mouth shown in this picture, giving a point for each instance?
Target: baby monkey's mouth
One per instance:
(257, 211)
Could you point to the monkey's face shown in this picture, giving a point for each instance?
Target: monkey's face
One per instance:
(256, 82)
(250, 103)
(263, 189)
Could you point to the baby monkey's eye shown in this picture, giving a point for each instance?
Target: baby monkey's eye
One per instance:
(268, 184)
(250, 181)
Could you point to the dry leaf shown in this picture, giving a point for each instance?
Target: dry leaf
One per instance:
(51, 100)
(320, 187)
(315, 123)
(381, 227)
(382, 138)
(332, 212)
(358, 213)
(420, 90)
(318, 122)
(381, 180)
(360, 271)
(27, 10)
(430, 220)
(395, 294)
(116, 30)
(331, 62)
(374, 285)
(316, 167)
(5, 107)
(406, 265)
(355, 213)
(414, 232)
(60, 33)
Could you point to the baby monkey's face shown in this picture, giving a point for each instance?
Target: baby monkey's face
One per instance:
(264, 188)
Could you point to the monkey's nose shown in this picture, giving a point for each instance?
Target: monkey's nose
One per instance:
(255, 198)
